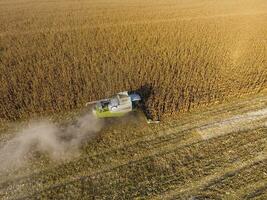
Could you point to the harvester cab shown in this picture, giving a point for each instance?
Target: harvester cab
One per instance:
(116, 106)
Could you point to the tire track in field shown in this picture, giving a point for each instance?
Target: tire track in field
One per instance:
(192, 189)
(162, 152)
(161, 145)
(168, 140)
(236, 123)
(252, 188)
(221, 111)
(236, 184)
(175, 179)
(249, 151)
(258, 192)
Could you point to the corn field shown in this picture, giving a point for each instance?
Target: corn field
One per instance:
(56, 56)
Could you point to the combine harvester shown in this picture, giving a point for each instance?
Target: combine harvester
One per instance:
(117, 106)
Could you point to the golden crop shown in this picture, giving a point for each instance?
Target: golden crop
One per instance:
(55, 56)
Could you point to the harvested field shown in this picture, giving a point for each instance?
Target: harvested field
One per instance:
(171, 160)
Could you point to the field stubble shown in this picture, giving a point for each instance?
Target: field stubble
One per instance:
(172, 159)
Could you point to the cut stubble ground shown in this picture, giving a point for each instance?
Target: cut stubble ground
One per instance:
(169, 160)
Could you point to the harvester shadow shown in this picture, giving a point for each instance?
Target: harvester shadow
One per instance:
(145, 91)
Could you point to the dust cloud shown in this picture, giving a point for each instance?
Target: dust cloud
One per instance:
(46, 137)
